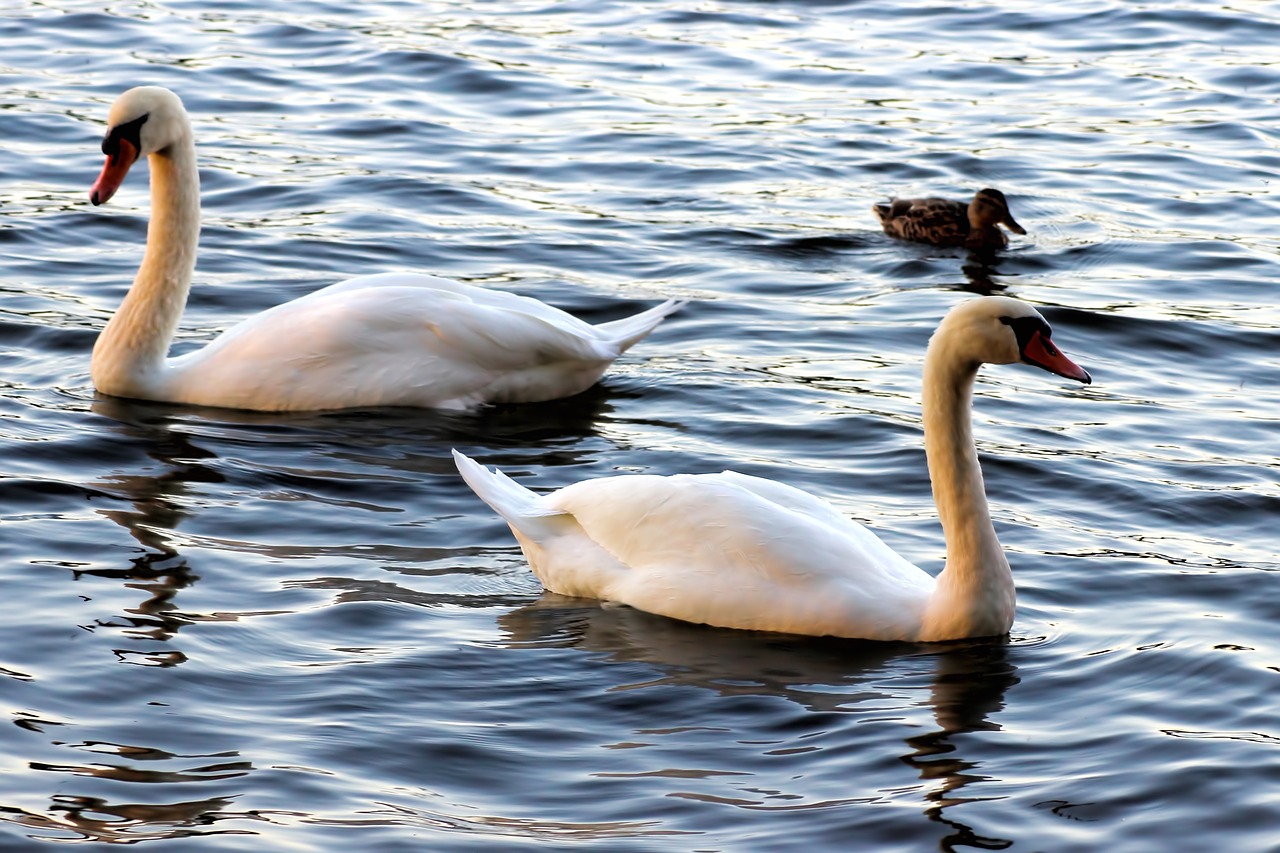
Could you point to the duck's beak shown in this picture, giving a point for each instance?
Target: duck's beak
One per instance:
(113, 172)
(1041, 352)
(1012, 224)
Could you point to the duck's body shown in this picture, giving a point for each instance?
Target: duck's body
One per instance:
(395, 339)
(743, 552)
(944, 222)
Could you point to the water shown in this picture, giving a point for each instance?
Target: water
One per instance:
(226, 631)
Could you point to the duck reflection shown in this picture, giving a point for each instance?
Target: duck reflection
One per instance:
(967, 683)
(981, 267)
(980, 270)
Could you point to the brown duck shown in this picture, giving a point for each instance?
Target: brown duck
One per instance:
(944, 222)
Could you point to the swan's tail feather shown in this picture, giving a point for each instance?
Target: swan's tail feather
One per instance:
(627, 331)
(524, 510)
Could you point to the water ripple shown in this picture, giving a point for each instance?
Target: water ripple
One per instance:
(231, 628)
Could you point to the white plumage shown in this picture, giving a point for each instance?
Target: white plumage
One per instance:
(744, 552)
(395, 339)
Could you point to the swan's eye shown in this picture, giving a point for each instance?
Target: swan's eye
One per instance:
(1025, 328)
(130, 131)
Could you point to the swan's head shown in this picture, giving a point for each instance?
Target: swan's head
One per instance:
(989, 207)
(1002, 330)
(143, 121)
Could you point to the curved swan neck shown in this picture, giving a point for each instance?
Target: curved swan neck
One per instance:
(131, 350)
(976, 586)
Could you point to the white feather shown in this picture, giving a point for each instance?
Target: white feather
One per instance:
(743, 552)
(379, 340)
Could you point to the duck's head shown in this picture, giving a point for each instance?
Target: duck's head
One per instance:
(990, 208)
(143, 121)
(1003, 330)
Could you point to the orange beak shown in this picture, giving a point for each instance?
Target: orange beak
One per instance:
(113, 172)
(1041, 352)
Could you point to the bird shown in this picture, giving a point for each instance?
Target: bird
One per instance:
(944, 222)
(737, 551)
(382, 339)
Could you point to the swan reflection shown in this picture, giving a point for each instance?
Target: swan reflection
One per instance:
(171, 464)
(156, 496)
(968, 690)
(80, 818)
(966, 682)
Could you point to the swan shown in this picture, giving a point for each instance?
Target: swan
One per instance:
(391, 339)
(736, 551)
(944, 222)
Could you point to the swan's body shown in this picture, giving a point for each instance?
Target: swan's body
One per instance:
(944, 222)
(379, 340)
(743, 552)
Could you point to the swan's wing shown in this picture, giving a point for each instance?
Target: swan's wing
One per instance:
(733, 551)
(498, 299)
(392, 345)
(798, 500)
(391, 279)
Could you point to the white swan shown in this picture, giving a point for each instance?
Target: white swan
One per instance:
(379, 340)
(743, 552)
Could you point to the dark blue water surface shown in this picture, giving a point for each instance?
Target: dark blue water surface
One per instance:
(227, 631)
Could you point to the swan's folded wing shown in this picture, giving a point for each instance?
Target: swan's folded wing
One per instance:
(739, 552)
(391, 337)
(506, 337)
(456, 325)
(480, 296)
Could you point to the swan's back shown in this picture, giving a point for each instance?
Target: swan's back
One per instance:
(379, 340)
(396, 340)
(722, 549)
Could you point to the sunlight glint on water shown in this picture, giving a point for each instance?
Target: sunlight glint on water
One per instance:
(228, 630)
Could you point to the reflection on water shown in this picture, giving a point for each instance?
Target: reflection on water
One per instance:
(401, 448)
(133, 773)
(160, 572)
(968, 691)
(966, 685)
(362, 648)
(354, 438)
(514, 830)
(730, 663)
(77, 818)
(980, 274)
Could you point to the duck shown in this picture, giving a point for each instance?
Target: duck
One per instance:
(743, 552)
(944, 222)
(381, 339)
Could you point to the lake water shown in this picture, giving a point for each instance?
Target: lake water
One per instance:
(230, 631)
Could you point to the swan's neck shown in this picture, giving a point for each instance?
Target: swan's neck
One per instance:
(974, 595)
(129, 357)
